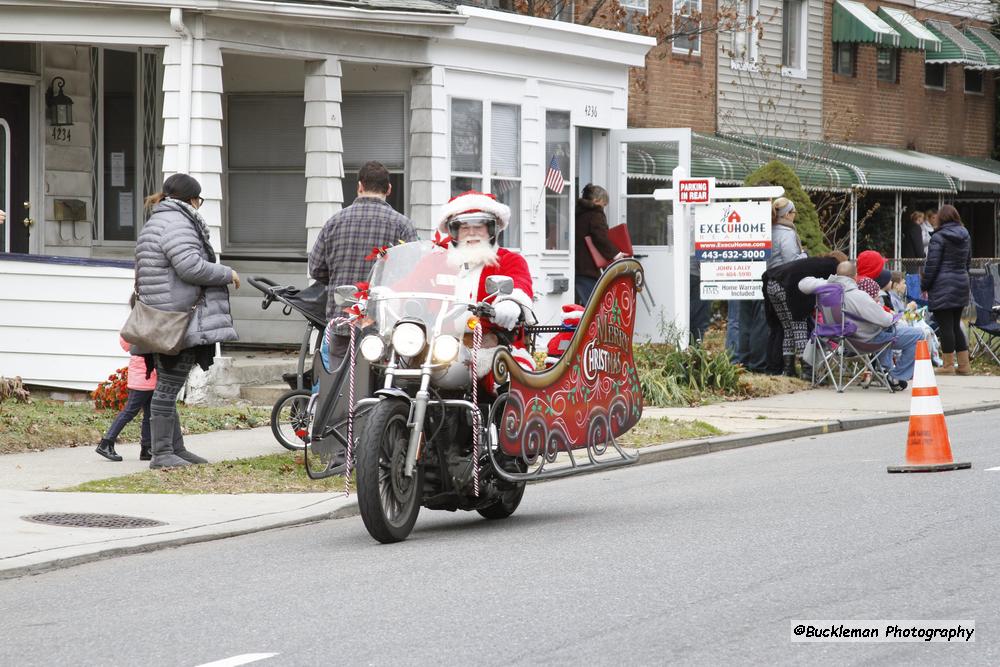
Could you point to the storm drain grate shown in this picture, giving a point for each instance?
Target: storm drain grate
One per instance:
(92, 520)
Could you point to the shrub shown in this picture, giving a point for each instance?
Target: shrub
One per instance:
(776, 172)
(113, 392)
(670, 376)
(12, 388)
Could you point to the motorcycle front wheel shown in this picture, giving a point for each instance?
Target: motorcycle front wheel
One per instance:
(388, 500)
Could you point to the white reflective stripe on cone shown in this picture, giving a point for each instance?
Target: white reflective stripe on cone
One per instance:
(925, 405)
(923, 374)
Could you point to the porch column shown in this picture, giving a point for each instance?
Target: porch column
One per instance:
(898, 218)
(324, 146)
(429, 174)
(192, 121)
(853, 249)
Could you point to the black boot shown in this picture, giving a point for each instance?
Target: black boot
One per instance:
(162, 431)
(805, 371)
(145, 454)
(107, 450)
(179, 449)
(789, 368)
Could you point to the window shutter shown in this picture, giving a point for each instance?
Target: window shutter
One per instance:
(374, 129)
(266, 132)
(506, 140)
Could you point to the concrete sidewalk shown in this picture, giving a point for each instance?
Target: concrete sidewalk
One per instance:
(25, 479)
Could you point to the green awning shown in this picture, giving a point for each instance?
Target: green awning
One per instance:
(987, 43)
(955, 47)
(820, 166)
(870, 172)
(913, 35)
(855, 23)
(966, 177)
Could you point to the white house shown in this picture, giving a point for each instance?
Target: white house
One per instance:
(273, 106)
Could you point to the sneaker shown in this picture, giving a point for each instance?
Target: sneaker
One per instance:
(897, 385)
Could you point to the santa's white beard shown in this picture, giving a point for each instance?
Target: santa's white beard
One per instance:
(473, 255)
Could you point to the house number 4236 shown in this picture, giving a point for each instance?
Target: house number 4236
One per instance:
(61, 134)
(590, 110)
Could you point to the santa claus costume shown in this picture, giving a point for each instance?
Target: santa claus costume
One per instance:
(476, 264)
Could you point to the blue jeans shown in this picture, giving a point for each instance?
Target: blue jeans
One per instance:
(137, 400)
(583, 288)
(905, 340)
(733, 329)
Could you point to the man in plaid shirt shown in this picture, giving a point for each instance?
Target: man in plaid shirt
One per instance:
(338, 257)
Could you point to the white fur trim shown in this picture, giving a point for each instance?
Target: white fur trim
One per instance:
(475, 201)
(523, 358)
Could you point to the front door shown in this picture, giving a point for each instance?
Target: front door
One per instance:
(15, 162)
(641, 161)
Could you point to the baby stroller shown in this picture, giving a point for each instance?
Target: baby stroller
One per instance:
(289, 416)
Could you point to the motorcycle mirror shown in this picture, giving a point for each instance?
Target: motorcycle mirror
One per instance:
(499, 285)
(344, 294)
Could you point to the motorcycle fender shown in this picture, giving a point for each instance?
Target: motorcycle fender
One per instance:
(393, 393)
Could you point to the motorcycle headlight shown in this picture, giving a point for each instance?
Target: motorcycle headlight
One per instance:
(408, 339)
(445, 349)
(372, 348)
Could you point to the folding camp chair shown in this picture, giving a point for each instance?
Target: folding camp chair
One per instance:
(985, 329)
(913, 292)
(838, 353)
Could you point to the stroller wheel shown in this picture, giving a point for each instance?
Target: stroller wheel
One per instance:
(290, 419)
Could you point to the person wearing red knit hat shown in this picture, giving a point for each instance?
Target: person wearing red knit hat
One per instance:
(870, 264)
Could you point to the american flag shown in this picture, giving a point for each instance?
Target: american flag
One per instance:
(554, 178)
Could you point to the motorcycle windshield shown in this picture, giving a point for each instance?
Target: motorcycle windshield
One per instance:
(414, 281)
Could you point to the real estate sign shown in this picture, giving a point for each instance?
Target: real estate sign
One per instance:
(732, 240)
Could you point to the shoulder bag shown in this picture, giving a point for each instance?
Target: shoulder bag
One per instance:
(154, 330)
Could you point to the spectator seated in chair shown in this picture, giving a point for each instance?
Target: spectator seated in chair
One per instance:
(874, 323)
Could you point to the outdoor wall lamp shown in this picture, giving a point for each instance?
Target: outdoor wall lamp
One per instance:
(58, 106)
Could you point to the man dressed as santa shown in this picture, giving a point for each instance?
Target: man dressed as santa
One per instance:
(473, 222)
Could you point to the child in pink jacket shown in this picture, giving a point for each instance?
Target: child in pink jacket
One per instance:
(140, 394)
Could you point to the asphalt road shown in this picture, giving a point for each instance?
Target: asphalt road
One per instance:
(697, 561)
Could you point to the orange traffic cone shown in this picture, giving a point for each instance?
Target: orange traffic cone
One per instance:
(927, 446)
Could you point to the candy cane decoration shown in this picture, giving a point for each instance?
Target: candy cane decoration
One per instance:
(327, 336)
(477, 340)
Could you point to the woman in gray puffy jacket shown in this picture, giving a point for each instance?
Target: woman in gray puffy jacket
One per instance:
(175, 268)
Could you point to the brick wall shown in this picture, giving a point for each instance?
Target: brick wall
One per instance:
(906, 114)
(676, 89)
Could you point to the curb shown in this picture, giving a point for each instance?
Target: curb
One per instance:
(647, 455)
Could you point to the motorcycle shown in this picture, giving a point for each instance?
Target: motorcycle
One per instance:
(432, 435)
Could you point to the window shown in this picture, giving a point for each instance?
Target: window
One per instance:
(557, 203)
(844, 57)
(887, 65)
(469, 153)
(934, 76)
(120, 126)
(793, 41)
(973, 81)
(634, 11)
(375, 129)
(745, 32)
(505, 171)
(267, 172)
(687, 26)
(563, 10)
(18, 57)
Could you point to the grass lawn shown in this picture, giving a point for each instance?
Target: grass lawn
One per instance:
(44, 424)
(274, 473)
(284, 472)
(650, 432)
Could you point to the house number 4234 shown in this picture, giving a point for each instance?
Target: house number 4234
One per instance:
(61, 134)
(590, 110)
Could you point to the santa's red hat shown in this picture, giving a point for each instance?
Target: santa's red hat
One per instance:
(474, 202)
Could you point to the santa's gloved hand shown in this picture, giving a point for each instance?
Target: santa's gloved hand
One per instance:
(506, 314)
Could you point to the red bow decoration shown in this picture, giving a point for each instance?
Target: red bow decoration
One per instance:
(377, 252)
(362, 292)
(441, 240)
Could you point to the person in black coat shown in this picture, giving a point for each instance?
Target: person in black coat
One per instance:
(946, 281)
(591, 221)
(912, 246)
(788, 310)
